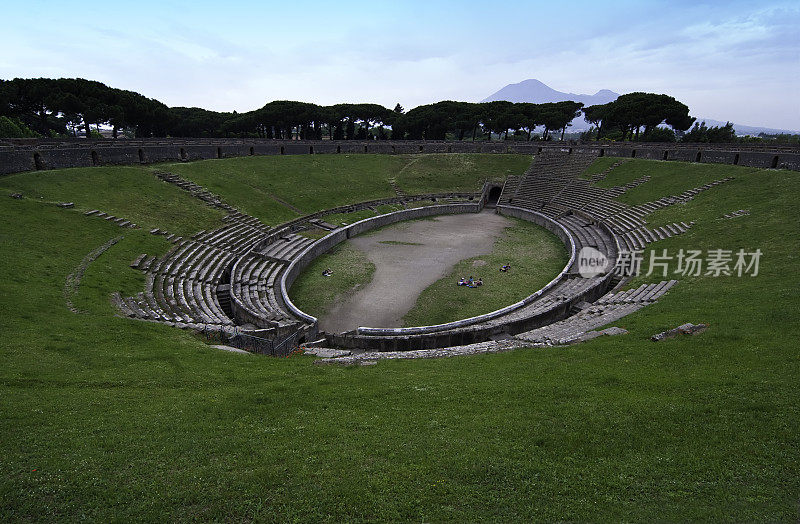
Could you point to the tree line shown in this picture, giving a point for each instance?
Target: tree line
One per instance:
(73, 106)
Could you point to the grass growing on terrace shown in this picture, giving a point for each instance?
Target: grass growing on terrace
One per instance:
(456, 172)
(316, 182)
(598, 166)
(133, 193)
(106, 418)
(535, 256)
(668, 178)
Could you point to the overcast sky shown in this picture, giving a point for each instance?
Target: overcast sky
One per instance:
(727, 60)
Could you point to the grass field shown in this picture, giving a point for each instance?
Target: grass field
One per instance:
(106, 418)
(314, 293)
(305, 184)
(535, 256)
(129, 192)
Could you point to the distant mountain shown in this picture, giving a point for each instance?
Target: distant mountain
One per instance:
(540, 93)
(537, 92)
(748, 130)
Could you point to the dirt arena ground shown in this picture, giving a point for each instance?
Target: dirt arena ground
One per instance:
(409, 257)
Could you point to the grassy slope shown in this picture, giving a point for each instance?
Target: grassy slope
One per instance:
(598, 166)
(314, 293)
(313, 183)
(106, 418)
(129, 192)
(536, 256)
(669, 178)
(456, 172)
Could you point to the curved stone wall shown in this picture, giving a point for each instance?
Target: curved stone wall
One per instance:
(465, 331)
(517, 212)
(29, 155)
(340, 235)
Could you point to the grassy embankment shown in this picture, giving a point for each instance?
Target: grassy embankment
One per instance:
(305, 184)
(106, 418)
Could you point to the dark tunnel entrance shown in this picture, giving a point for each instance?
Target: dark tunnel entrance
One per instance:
(494, 196)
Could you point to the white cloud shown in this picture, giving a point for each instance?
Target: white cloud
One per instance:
(726, 60)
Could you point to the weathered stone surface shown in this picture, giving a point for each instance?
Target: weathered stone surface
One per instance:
(471, 349)
(683, 329)
(138, 261)
(589, 335)
(327, 352)
(231, 349)
(735, 214)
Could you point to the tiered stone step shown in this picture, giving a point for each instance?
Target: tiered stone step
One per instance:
(196, 190)
(255, 285)
(638, 239)
(618, 190)
(181, 286)
(735, 214)
(565, 291)
(286, 247)
(602, 175)
(609, 308)
(644, 293)
(509, 189)
(578, 194)
(237, 237)
(121, 222)
(587, 234)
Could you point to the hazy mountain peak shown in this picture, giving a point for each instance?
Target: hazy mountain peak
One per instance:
(606, 92)
(537, 92)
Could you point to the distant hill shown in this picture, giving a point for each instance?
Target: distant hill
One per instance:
(537, 92)
(748, 130)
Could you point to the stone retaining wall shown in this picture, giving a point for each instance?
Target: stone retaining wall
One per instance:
(517, 212)
(340, 235)
(465, 331)
(28, 155)
(292, 225)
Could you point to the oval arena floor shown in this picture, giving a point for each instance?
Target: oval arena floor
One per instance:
(409, 257)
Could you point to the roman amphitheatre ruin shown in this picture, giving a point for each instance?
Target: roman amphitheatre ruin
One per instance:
(149, 287)
(234, 281)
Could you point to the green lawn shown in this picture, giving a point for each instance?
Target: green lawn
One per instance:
(456, 172)
(599, 165)
(316, 182)
(314, 293)
(106, 418)
(535, 256)
(668, 178)
(133, 193)
(343, 219)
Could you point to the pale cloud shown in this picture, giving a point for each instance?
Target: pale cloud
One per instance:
(726, 60)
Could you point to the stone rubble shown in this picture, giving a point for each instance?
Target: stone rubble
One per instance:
(683, 329)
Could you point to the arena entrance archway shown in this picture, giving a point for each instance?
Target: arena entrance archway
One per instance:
(493, 196)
